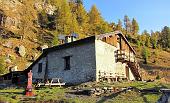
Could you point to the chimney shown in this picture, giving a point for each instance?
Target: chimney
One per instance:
(68, 38)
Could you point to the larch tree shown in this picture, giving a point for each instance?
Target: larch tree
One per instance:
(145, 54)
(119, 25)
(63, 18)
(82, 18)
(95, 21)
(75, 27)
(154, 39)
(165, 37)
(28, 18)
(127, 24)
(135, 27)
(147, 38)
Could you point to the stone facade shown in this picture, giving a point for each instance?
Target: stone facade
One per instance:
(106, 64)
(88, 61)
(82, 64)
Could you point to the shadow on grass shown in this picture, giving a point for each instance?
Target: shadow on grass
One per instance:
(143, 92)
(149, 91)
(105, 98)
(152, 67)
(12, 93)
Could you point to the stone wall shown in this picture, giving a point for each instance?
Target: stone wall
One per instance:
(82, 63)
(86, 61)
(36, 74)
(106, 61)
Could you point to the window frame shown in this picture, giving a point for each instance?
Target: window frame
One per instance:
(67, 62)
(40, 67)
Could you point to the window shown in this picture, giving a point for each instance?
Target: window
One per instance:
(67, 62)
(39, 67)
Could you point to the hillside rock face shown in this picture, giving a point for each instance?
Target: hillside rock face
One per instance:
(10, 14)
(22, 51)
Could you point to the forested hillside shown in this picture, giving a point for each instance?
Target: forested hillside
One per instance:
(27, 25)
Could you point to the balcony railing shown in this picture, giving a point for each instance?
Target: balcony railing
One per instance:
(123, 56)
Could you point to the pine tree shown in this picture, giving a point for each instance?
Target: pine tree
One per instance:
(135, 27)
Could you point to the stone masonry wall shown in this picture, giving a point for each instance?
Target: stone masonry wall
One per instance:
(36, 74)
(82, 62)
(106, 61)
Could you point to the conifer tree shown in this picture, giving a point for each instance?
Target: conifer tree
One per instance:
(165, 37)
(95, 20)
(63, 18)
(154, 39)
(82, 18)
(119, 25)
(3, 70)
(29, 15)
(145, 38)
(97, 24)
(75, 27)
(135, 27)
(55, 40)
(127, 24)
(145, 55)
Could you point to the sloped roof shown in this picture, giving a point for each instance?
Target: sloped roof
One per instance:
(78, 42)
(100, 37)
(59, 47)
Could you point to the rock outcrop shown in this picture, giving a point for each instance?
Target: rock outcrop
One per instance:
(21, 51)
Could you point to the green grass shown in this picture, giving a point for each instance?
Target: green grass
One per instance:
(56, 94)
(47, 94)
(11, 95)
(129, 97)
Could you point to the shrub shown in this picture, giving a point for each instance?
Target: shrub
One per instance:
(2, 66)
(145, 54)
(157, 77)
(55, 41)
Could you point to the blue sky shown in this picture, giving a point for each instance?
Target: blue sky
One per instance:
(150, 14)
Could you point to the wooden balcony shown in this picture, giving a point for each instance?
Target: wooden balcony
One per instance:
(123, 56)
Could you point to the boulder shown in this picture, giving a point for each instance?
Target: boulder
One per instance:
(8, 45)
(8, 61)
(21, 51)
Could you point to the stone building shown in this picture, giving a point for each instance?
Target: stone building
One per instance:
(104, 57)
